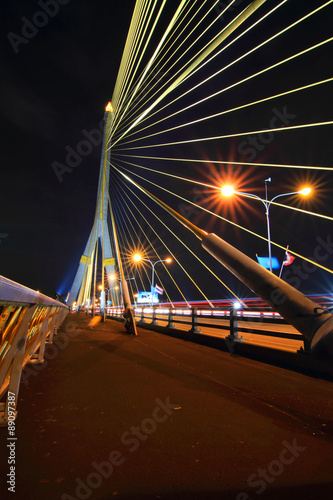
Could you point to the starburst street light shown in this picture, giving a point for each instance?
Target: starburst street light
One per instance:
(229, 190)
(305, 191)
(137, 257)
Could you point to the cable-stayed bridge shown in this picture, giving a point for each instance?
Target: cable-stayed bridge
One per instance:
(165, 92)
(208, 95)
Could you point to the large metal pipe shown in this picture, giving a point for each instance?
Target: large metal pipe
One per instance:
(310, 319)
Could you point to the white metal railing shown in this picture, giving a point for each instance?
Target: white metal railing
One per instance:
(230, 321)
(28, 319)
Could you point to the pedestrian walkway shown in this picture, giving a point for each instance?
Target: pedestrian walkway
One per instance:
(110, 415)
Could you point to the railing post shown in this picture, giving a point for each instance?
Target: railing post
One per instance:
(170, 319)
(307, 347)
(233, 335)
(54, 327)
(39, 357)
(18, 347)
(154, 322)
(195, 328)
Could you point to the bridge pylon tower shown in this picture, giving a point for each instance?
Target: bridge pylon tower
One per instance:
(83, 290)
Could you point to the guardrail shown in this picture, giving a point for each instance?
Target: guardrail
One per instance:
(28, 320)
(229, 322)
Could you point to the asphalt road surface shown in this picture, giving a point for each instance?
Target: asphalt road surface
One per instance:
(109, 415)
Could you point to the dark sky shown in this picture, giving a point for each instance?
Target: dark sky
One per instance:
(55, 82)
(55, 86)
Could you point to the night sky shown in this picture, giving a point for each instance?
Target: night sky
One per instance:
(54, 88)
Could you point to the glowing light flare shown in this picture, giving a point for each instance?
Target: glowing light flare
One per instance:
(227, 190)
(168, 260)
(109, 107)
(236, 208)
(305, 191)
(133, 253)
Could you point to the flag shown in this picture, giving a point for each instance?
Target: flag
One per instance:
(159, 290)
(288, 259)
(264, 262)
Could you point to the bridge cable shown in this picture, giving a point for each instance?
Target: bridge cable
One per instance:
(189, 224)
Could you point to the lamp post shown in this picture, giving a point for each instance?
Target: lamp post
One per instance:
(137, 257)
(228, 191)
(103, 299)
(114, 278)
(102, 288)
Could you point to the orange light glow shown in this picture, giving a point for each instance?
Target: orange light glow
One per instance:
(109, 107)
(227, 190)
(137, 257)
(305, 191)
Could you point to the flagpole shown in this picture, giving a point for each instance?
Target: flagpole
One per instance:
(282, 265)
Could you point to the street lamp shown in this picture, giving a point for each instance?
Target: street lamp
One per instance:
(137, 257)
(228, 191)
(102, 288)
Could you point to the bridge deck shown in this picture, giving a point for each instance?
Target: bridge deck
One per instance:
(178, 420)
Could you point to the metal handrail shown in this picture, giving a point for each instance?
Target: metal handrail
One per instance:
(28, 319)
(238, 321)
